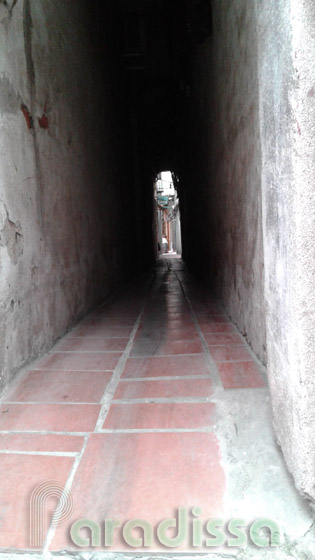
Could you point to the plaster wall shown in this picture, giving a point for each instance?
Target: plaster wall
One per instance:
(63, 199)
(248, 216)
(224, 189)
(287, 109)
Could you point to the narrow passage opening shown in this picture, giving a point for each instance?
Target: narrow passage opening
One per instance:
(167, 215)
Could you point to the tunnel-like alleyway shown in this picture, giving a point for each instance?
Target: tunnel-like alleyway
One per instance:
(97, 99)
(152, 404)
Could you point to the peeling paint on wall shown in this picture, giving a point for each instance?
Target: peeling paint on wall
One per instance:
(11, 236)
(60, 191)
(9, 100)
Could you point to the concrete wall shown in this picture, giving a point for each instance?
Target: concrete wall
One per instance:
(64, 201)
(287, 111)
(221, 208)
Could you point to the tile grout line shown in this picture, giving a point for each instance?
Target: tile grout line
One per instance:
(43, 433)
(167, 355)
(85, 352)
(184, 355)
(164, 400)
(163, 378)
(112, 385)
(104, 336)
(44, 403)
(210, 398)
(201, 429)
(41, 453)
(73, 370)
(67, 487)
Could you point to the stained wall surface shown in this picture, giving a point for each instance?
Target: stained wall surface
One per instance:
(65, 204)
(287, 117)
(248, 197)
(222, 194)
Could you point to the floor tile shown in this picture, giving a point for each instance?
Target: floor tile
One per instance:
(92, 344)
(104, 331)
(206, 322)
(172, 323)
(57, 386)
(213, 328)
(108, 321)
(41, 442)
(50, 417)
(163, 389)
(166, 366)
(167, 334)
(159, 416)
(80, 361)
(230, 354)
(146, 476)
(210, 311)
(178, 306)
(160, 347)
(22, 474)
(240, 375)
(223, 339)
(178, 315)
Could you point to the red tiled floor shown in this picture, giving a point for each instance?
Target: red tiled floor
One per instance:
(240, 375)
(163, 389)
(166, 366)
(230, 354)
(22, 474)
(51, 417)
(159, 415)
(224, 338)
(145, 476)
(126, 475)
(80, 361)
(40, 442)
(160, 348)
(92, 344)
(57, 386)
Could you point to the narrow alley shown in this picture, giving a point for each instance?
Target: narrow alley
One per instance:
(157, 269)
(153, 403)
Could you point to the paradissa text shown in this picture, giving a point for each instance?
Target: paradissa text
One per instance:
(192, 532)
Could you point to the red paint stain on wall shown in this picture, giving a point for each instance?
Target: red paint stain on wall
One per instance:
(28, 116)
(43, 121)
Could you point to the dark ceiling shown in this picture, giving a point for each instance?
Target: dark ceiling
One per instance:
(153, 42)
